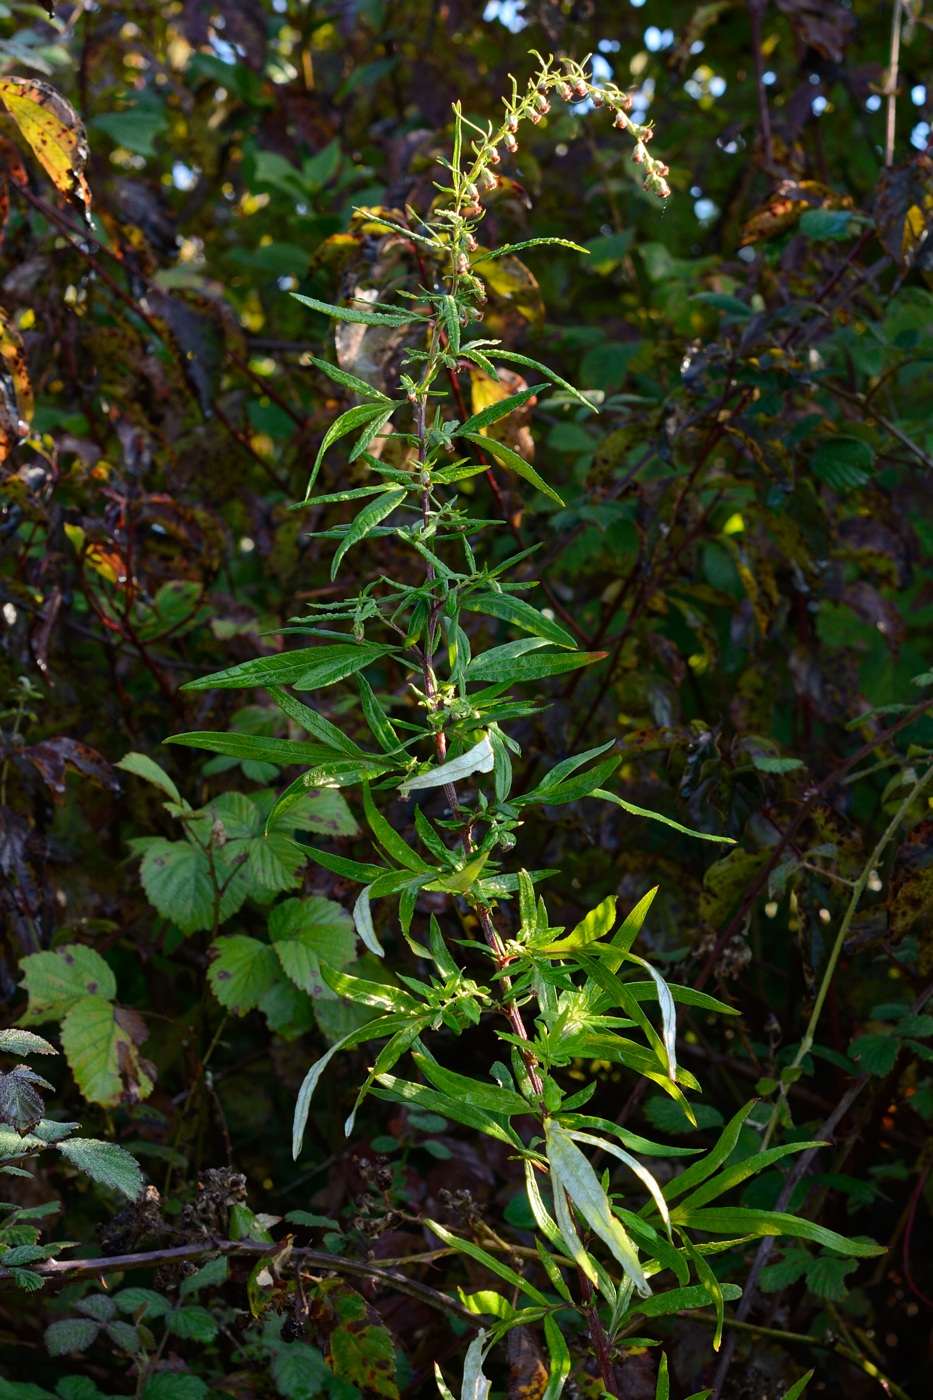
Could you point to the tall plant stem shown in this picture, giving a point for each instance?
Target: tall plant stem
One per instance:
(483, 912)
(858, 890)
(890, 83)
(755, 10)
(598, 1335)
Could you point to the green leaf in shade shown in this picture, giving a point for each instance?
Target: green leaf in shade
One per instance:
(509, 458)
(435, 1101)
(105, 1163)
(673, 1300)
(70, 1335)
(489, 1261)
(517, 359)
(313, 723)
(146, 768)
(307, 932)
(491, 1097)
(257, 746)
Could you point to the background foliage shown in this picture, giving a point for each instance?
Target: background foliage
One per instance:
(748, 535)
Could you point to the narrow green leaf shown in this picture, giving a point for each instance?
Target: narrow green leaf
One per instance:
(313, 723)
(491, 1097)
(388, 838)
(487, 667)
(349, 381)
(584, 1189)
(513, 461)
(142, 766)
(254, 746)
(508, 608)
(558, 1356)
(508, 248)
(372, 1031)
(341, 865)
(313, 666)
(733, 1176)
(674, 1300)
(405, 1092)
(348, 422)
(490, 1261)
(365, 993)
(360, 318)
(517, 359)
(729, 1220)
(380, 727)
(658, 817)
(500, 409)
(723, 1149)
(798, 1387)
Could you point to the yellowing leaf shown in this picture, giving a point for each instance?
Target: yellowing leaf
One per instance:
(54, 131)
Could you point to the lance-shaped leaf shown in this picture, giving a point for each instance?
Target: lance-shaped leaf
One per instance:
(508, 608)
(142, 766)
(349, 422)
(659, 817)
(559, 1357)
(360, 318)
(488, 667)
(385, 1025)
(570, 1238)
(509, 458)
(479, 759)
(306, 668)
(54, 131)
(475, 1384)
(490, 1261)
(494, 411)
(388, 837)
(349, 381)
(492, 1097)
(641, 1172)
(742, 1220)
(583, 1187)
(363, 920)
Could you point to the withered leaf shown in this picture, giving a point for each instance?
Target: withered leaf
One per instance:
(823, 24)
(54, 131)
(16, 402)
(904, 211)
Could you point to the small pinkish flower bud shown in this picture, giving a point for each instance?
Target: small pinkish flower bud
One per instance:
(566, 91)
(621, 121)
(534, 117)
(579, 88)
(512, 122)
(597, 99)
(471, 243)
(463, 263)
(493, 155)
(510, 143)
(542, 103)
(639, 153)
(490, 180)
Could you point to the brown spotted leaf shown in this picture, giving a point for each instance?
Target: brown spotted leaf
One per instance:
(103, 1055)
(356, 1345)
(54, 131)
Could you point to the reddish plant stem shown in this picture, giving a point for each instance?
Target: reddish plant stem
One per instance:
(598, 1336)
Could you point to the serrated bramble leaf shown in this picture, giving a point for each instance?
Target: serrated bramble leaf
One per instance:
(56, 980)
(70, 1335)
(15, 1041)
(194, 1323)
(307, 932)
(105, 1163)
(21, 1105)
(242, 972)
